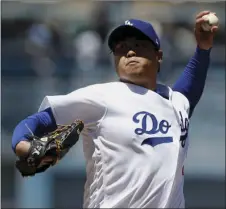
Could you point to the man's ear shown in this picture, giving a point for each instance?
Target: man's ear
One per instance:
(159, 55)
(159, 58)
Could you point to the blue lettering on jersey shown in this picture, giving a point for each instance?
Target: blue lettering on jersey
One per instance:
(157, 127)
(184, 129)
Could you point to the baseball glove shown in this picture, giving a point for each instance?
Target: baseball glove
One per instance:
(54, 145)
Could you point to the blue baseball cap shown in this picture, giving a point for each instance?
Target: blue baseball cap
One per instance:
(134, 27)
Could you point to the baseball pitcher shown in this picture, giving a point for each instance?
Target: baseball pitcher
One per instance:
(134, 130)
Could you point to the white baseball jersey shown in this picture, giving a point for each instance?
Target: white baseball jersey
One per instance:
(134, 143)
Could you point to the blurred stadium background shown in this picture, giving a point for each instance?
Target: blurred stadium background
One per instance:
(55, 47)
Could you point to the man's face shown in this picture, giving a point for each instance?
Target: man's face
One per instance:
(136, 60)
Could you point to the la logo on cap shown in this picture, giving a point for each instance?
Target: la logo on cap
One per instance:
(127, 22)
(156, 41)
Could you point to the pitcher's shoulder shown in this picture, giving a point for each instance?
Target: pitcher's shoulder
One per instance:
(180, 100)
(177, 98)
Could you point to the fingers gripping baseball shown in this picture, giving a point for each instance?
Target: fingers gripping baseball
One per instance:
(206, 26)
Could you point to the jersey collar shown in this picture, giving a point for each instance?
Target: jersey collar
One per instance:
(161, 89)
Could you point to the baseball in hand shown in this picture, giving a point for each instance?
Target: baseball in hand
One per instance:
(210, 20)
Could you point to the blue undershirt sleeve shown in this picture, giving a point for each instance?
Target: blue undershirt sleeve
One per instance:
(39, 123)
(192, 80)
